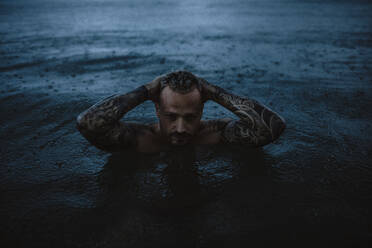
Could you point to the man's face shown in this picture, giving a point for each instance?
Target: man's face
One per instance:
(179, 115)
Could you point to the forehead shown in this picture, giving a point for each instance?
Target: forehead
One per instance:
(172, 101)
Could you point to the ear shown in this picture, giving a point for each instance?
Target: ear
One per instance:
(202, 109)
(157, 108)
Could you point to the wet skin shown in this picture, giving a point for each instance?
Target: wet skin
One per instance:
(179, 120)
(179, 116)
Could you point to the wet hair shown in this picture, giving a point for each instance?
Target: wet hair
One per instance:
(180, 81)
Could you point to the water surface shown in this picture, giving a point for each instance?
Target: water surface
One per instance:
(308, 60)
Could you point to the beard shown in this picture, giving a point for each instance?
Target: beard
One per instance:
(180, 139)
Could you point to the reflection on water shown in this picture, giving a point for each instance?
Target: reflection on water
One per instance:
(182, 194)
(196, 195)
(179, 179)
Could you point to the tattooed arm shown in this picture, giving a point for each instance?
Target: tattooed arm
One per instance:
(257, 126)
(100, 123)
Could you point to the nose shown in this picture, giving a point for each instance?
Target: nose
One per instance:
(180, 126)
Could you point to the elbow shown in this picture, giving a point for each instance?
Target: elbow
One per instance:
(89, 129)
(277, 127)
(83, 123)
(80, 122)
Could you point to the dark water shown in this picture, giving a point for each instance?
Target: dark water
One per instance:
(308, 60)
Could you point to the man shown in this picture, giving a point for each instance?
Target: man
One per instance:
(179, 100)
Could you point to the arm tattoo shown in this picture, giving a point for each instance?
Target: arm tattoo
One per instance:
(258, 125)
(100, 123)
(212, 126)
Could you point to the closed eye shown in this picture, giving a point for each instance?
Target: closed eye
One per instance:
(171, 116)
(190, 117)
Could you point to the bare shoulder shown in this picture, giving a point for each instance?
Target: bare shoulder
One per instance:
(211, 131)
(148, 139)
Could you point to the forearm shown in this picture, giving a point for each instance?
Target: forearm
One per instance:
(103, 115)
(258, 124)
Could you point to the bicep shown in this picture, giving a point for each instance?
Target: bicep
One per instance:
(240, 132)
(230, 131)
(211, 131)
(121, 136)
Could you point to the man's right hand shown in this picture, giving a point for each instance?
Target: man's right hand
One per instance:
(208, 90)
(153, 89)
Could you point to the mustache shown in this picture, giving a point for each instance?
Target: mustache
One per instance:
(181, 135)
